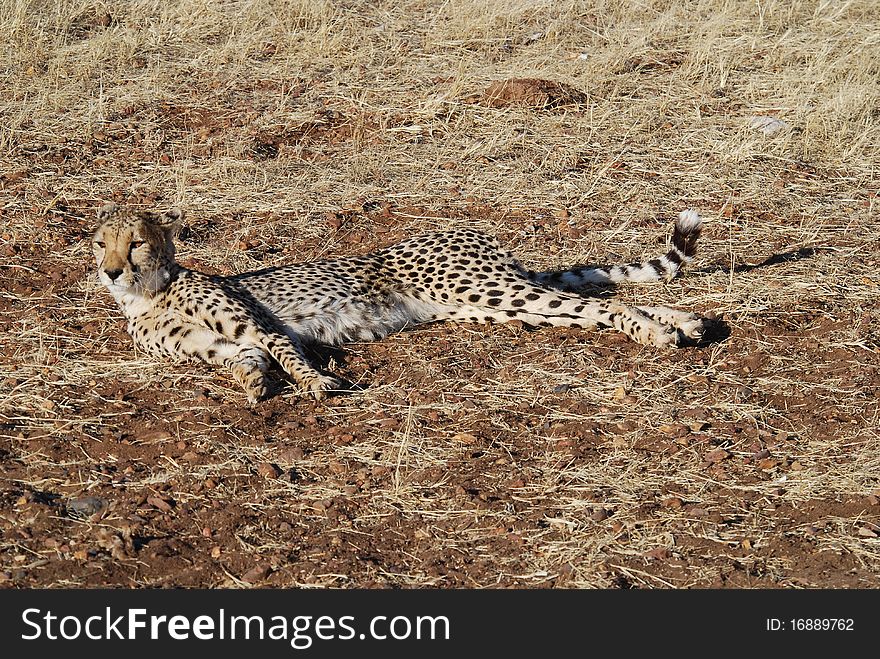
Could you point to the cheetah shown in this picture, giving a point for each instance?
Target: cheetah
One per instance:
(245, 322)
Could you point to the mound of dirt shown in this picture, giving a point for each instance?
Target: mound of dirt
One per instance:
(532, 92)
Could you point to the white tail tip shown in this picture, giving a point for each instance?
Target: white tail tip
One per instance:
(688, 220)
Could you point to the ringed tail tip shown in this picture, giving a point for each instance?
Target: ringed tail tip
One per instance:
(689, 221)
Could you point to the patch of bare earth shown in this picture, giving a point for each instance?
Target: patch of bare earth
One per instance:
(466, 456)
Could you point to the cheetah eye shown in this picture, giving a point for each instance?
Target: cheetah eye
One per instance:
(100, 244)
(137, 243)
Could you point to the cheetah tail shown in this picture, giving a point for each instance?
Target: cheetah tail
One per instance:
(684, 241)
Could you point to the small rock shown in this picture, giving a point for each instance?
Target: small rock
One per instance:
(164, 505)
(716, 455)
(599, 514)
(292, 454)
(86, 506)
(866, 532)
(619, 442)
(658, 553)
(767, 463)
(322, 505)
(464, 438)
(698, 426)
(768, 125)
(672, 502)
(561, 388)
(256, 573)
(268, 470)
(674, 429)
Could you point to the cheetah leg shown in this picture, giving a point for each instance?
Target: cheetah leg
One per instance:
(289, 354)
(538, 306)
(689, 324)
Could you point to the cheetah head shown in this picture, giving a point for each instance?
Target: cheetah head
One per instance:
(134, 250)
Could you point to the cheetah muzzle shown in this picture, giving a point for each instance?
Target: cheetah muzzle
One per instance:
(247, 321)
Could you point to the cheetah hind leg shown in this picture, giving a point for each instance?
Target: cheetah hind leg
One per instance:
(688, 324)
(540, 307)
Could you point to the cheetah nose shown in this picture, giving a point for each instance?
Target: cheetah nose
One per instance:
(113, 274)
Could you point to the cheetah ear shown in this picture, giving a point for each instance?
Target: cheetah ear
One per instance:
(106, 211)
(170, 221)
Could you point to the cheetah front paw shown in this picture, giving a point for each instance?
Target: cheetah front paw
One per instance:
(252, 380)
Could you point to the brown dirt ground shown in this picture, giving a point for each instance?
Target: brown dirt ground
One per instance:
(469, 456)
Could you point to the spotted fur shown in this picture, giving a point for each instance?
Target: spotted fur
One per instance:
(246, 321)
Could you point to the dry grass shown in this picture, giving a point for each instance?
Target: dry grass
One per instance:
(464, 462)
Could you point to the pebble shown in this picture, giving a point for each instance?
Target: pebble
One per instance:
(674, 429)
(162, 504)
(716, 455)
(256, 573)
(291, 454)
(599, 514)
(86, 506)
(658, 553)
(268, 470)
